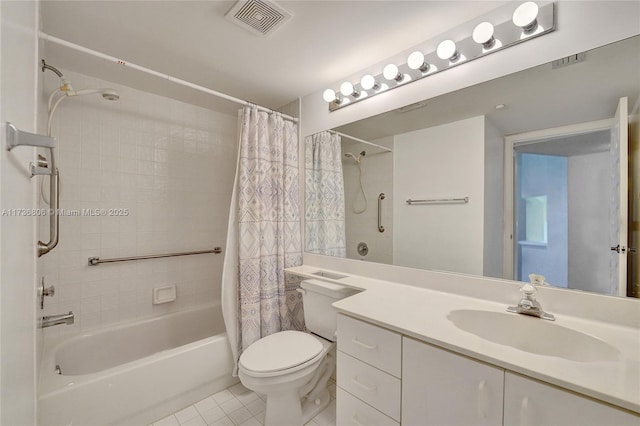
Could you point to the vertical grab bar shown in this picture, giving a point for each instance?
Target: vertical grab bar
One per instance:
(54, 203)
(380, 198)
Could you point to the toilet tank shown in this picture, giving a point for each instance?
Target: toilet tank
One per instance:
(317, 296)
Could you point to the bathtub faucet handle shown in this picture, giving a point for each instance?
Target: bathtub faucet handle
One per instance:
(48, 291)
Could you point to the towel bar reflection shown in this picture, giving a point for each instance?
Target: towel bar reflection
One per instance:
(93, 261)
(463, 200)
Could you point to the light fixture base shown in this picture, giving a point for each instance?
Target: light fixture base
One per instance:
(505, 35)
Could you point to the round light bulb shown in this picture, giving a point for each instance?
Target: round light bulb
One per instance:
(346, 88)
(391, 72)
(447, 50)
(525, 16)
(415, 60)
(368, 82)
(483, 34)
(329, 95)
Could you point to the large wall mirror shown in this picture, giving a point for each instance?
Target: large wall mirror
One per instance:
(427, 185)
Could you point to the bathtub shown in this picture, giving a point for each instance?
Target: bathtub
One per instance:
(135, 373)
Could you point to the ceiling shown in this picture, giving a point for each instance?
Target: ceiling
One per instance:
(533, 99)
(191, 40)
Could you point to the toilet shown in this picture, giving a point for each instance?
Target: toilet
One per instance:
(293, 367)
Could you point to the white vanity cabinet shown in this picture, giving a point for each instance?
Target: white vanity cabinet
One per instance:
(387, 379)
(443, 388)
(369, 373)
(529, 402)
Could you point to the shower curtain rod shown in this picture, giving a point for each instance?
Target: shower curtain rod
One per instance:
(56, 40)
(344, 135)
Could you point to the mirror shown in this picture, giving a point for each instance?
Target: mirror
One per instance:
(426, 186)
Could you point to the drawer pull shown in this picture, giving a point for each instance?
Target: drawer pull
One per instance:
(364, 345)
(483, 400)
(362, 385)
(355, 421)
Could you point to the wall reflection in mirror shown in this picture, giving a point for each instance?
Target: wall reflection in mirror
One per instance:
(555, 212)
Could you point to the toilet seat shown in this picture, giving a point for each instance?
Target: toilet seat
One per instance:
(280, 353)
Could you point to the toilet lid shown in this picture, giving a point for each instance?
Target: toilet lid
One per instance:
(280, 351)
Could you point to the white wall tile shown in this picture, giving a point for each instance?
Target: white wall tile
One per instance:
(171, 166)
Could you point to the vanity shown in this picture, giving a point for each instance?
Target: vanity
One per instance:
(417, 356)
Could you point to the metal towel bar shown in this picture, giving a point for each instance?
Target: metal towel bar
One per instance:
(464, 200)
(93, 261)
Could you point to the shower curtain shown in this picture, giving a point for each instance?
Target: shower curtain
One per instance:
(263, 236)
(324, 224)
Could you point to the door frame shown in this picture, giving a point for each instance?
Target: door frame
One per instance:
(511, 141)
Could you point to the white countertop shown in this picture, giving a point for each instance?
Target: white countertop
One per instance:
(422, 314)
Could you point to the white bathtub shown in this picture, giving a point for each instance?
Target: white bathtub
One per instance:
(135, 373)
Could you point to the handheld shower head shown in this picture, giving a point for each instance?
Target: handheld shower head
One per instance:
(108, 94)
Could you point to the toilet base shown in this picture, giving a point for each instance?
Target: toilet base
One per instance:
(310, 409)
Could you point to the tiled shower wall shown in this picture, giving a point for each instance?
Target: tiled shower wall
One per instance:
(377, 166)
(163, 170)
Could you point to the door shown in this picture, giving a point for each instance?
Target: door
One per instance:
(443, 388)
(612, 244)
(619, 200)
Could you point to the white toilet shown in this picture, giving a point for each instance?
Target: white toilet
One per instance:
(292, 367)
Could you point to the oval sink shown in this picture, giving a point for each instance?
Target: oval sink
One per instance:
(533, 335)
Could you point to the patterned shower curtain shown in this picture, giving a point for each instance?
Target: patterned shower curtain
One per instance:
(264, 234)
(324, 215)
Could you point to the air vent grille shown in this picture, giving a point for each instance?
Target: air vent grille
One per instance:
(261, 17)
(569, 60)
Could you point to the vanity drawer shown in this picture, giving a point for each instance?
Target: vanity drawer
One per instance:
(350, 411)
(375, 387)
(371, 344)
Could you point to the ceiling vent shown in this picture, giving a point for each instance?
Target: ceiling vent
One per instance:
(261, 17)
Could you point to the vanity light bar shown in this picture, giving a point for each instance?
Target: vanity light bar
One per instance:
(528, 21)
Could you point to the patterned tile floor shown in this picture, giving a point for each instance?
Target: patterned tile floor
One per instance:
(238, 406)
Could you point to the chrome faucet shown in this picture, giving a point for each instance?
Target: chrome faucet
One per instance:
(51, 320)
(528, 305)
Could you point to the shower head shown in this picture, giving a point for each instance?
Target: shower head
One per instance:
(356, 159)
(108, 94)
(348, 154)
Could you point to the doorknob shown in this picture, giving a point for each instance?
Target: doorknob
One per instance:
(618, 249)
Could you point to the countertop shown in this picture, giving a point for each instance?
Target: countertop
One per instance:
(422, 314)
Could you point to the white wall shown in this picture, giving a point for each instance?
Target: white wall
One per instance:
(172, 166)
(493, 200)
(440, 162)
(581, 25)
(633, 275)
(377, 177)
(589, 186)
(18, 65)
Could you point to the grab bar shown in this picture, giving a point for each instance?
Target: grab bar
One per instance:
(93, 261)
(380, 198)
(464, 200)
(14, 138)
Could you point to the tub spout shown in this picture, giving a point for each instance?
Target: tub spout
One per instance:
(51, 320)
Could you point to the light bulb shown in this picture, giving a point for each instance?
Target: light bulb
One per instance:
(483, 34)
(447, 50)
(526, 16)
(329, 95)
(416, 61)
(347, 89)
(391, 72)
(369, 82)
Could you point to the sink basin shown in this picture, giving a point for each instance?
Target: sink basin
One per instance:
(533, 335)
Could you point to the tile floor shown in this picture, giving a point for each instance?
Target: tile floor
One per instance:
(238, 406)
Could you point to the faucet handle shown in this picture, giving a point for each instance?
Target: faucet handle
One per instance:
(528, 290)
